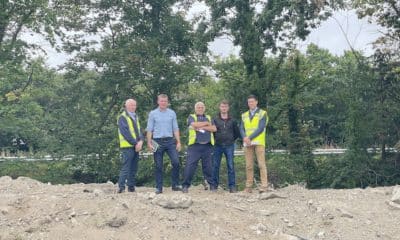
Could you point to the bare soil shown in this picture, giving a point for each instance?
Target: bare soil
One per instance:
(33, 210)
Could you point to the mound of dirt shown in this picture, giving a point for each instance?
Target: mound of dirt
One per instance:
(33, 210)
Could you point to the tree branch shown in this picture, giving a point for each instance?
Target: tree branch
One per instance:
(20, 25)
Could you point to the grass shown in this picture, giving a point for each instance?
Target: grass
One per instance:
(283, 169)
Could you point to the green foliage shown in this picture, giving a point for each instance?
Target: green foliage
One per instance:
(148, 47)
(257, 27)
(386, 14)
(55, 172)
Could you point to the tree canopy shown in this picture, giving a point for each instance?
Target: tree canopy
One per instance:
(123, 49)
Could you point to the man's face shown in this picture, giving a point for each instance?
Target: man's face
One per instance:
(199, 109)
(252, 103)
(162, 102)
(131, 106)
(224, 108)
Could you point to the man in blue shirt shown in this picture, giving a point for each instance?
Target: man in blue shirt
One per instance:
(131, 142)
(162, 127)
(200, 146)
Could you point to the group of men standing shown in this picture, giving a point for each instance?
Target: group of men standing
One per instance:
(209, 139)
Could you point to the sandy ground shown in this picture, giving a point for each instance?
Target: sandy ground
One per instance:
(33, 210)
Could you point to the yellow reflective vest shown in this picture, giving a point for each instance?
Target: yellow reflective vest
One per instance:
(123, 143)
(251, 126)
(192, 132)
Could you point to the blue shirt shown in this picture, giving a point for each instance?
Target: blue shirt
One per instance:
(162, 123)
(201, 137)
(252, 112)
(132, 115)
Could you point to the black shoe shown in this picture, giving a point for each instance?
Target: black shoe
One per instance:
(176, 188)
(185, 189)
(205, 185)
(131, 189)
(121, 190)
(232, 190)
(158, 191)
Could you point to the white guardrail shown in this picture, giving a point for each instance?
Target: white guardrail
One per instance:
(318, 151)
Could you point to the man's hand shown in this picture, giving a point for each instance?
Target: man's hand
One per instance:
(149, 147)
(178, 146)
(138, 146)
(247, 141)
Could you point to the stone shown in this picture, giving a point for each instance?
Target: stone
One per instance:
(393, 206)
(279, 235)
(147, 195)
(29, 181)
(125, 205)
(396, 195)
(239, 208)
(117, 222)
(110, 183)
(74, 221)
(266, 213)
(4, 210)
(172, 202)
(72, 214)
(270, 195)
(46, 220)
(344, 213)
(31, 229)
(5, 179)
(259, 228)
(98, 192)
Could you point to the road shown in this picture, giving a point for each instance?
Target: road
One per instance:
(317, 151)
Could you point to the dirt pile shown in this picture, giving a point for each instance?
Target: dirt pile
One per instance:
(33, 210)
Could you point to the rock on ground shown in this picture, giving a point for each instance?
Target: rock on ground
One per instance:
(33, 210)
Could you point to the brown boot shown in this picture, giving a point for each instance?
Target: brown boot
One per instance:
(262, 190)
(247, 190)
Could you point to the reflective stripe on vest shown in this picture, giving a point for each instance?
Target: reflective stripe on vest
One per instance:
(192, 132)
(122, 141)
(251, 126)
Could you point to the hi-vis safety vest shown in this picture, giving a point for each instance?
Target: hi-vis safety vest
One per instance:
(251, 126)
(192, 132)
(122, 141)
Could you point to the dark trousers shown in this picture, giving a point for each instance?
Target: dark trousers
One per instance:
(228, 151)
(167, 145)
(195, 152)
(129, 167)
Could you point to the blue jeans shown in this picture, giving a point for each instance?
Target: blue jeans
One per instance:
(228, 151)
(129, 168)
(167, 145)
(195, 152)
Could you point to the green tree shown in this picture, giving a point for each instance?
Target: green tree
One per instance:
(260, 26)
(386, 13)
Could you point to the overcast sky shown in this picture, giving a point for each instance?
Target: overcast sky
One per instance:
(328, 35)
(359, 33)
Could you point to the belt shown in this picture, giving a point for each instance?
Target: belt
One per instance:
(163, 139)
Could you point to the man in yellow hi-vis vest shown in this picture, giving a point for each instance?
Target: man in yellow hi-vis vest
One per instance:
(200, 146)
(130, 142)
(252, 129)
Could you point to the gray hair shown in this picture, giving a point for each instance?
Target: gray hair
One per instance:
(198, 104)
